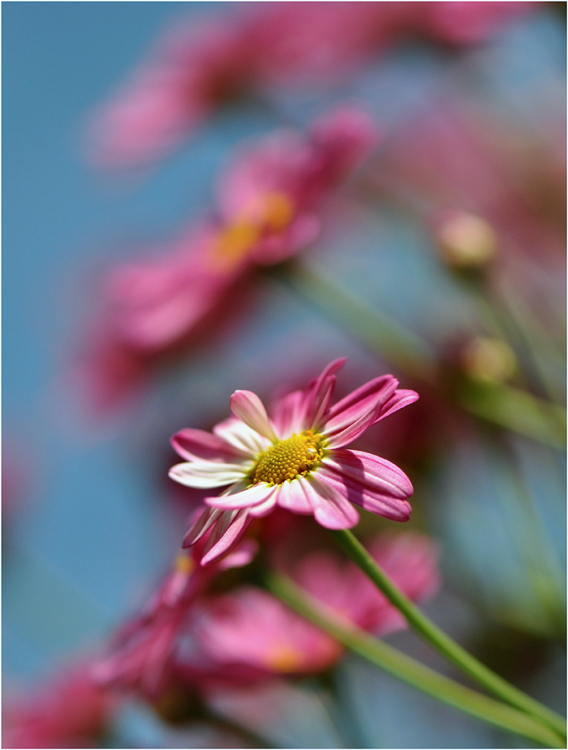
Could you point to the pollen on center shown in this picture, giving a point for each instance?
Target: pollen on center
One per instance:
(287, 459)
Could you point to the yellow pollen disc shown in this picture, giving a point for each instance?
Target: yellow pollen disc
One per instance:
(184, 563)
(286, 459)
(278, 211)
(234, 242)
(283, 658)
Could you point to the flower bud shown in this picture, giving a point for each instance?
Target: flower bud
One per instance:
(465, 241)
(488, 360)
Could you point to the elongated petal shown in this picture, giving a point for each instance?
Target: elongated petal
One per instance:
(201, 525)
(369, 389)
(240, 437)
(247, 498)
(206, 474)
(227, 532)
(319, 392)
(372, 471)
(287, 415)
(351, 431)
(364, 410)
(331, 509)
(383, 504)
(247, 406)
(398, 400)
(266, 506)
(292, 497)
(198, 445)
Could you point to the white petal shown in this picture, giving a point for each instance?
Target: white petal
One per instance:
(247, 406)
(203, 475)
(241, 437)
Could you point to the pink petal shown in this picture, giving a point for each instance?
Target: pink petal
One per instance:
(398, 401)
(264, 508)
(206, 474)
(331, 509)
(249, 408)
(292, 497)
(200, 445)
(287, 415)
(383, 504)
(226, 534)
(246, 498)
(319, 391)
(372, 471)
(361, 409)
(200, 525)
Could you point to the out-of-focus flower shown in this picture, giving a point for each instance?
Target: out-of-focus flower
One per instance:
(269, 203)
(410, 560)
(192, 72)
(251, 627)
(488, 360)
(465, 241)
(142, 651)
(70, 711)
(199, 67)
(296, 460)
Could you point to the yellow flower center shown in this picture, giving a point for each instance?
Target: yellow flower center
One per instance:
(287, 459)
(184, 563)
(273, 213)
(284, 658)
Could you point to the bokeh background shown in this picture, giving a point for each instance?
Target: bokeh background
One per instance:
(89, 522)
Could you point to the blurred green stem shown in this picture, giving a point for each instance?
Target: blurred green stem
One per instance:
(440, 641)
(508, 407)
(411, 671)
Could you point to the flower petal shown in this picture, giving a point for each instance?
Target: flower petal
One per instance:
(287, 415)
(369, 389)
(318, 393)
(200, 525)
(246, 498)
(247, 406)
(361, 410)
(198, 445)
(399, 400)
(207, 474)
(292, 497)
(368, 497)
(240, 437)
(372, 471)
(226, 534)
(331, 509)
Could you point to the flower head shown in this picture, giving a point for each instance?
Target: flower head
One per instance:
(296, 460)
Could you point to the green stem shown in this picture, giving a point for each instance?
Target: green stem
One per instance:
(498, 403)
(440, 641)
(411, 671)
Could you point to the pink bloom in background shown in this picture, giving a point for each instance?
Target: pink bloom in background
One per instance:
(269, 205)
(410, 560)
(296, 460)
(249, 627)
(195, 70)
(71, 711)
(142, 651)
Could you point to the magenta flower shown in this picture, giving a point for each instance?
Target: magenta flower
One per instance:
(296, 460)
(249, 627)
(270, 201)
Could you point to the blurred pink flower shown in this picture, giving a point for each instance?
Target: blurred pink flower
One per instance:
(296, 460)
(193, 70)
(250, 627)
(142, 651)
(196, 69)
(70, 711)
(269, 203)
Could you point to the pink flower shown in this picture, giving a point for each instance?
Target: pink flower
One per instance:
(296, 460)
(71, 711)
(142, 652)
(250, 628)
(409, 559)
(269, 204)
(192, 71)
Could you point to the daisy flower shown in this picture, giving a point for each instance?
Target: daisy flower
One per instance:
(295, 459)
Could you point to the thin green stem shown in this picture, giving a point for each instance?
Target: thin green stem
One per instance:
(508, 407)
(411, 671)
(432, 634)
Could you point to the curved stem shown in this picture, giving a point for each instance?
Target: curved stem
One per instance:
(443, 643)
(411, 671)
